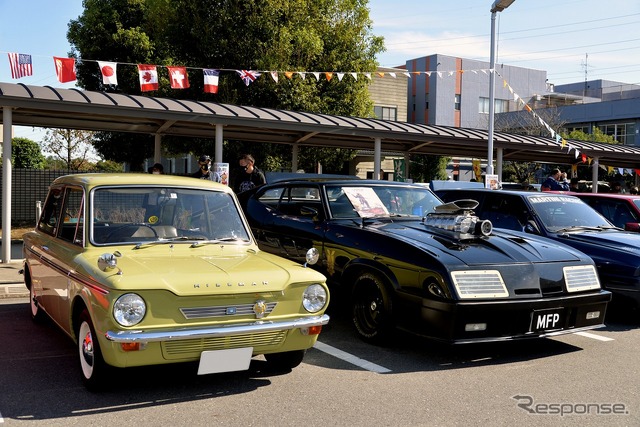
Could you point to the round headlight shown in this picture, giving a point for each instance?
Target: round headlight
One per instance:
(129, 309)
(314, 298)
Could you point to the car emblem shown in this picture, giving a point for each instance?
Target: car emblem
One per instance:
(260, 308)
(231, 310)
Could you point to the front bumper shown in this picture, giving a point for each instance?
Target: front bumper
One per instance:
(511, 319)
(177, 334)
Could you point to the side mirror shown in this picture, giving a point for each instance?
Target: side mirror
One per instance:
(632, 226)
(531, 227)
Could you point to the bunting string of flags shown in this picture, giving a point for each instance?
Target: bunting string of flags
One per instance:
(21, 66)
(65, 72)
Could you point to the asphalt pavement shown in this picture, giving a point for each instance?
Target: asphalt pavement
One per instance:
(11, 280)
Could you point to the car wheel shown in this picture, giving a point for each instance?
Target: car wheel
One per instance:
(36, 312)
(284, 361)
(92, 364)
(372, 309)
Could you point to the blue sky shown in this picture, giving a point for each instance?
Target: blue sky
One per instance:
(570, 39)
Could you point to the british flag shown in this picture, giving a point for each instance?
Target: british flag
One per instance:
(248, 76)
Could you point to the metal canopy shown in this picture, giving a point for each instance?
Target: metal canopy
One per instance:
(77, 109)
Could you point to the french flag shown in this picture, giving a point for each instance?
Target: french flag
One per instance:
(211, 80)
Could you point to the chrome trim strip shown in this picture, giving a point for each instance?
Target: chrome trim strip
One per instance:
(214, 331)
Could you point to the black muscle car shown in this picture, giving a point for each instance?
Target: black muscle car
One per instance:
(405, 259)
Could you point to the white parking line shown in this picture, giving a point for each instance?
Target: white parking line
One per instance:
(343, 355)
(594, 336)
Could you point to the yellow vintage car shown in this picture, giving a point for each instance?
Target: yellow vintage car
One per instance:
(144, 269)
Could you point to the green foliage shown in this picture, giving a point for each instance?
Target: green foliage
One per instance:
(596, 136)
(291, 35)
(425, 168)
(26, 153)
(71, 146)
(108, 166)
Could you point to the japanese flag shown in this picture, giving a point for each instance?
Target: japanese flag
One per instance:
(148, 77)
(108, 70)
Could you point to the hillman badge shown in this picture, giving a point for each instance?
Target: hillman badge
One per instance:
(260, 308)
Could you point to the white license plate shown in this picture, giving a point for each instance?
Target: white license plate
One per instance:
(235, 359)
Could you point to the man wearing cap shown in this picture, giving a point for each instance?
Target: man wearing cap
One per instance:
(205, 172)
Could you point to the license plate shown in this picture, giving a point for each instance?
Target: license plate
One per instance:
(547, 320)
(236, 359)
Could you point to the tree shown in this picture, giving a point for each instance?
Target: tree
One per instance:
(278, 35)
(596, 136)
(26, 153)
(426, 168)
(71, 146)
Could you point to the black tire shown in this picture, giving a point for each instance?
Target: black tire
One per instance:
(284, 361)
(92, 366)
(37, 314)
(372, 309)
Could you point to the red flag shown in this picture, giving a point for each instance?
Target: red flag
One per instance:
(65, 69)
(108, 70)
(148, 77)
(211, 80)
(178, 77)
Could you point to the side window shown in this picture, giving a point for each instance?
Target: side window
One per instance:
(72, 218)
(272, 197)
(504, 212)
(301, 202)
(50, 217)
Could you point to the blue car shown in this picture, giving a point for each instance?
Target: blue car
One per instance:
(569, 220)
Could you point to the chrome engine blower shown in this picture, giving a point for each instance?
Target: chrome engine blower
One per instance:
(458, 219)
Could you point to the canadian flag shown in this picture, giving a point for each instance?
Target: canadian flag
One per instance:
(108, 70)
(178, 77)
(148, 77)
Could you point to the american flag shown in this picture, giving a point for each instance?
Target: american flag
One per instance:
(20, 64)
(248, 76)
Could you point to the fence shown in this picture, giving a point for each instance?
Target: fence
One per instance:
(27, 187)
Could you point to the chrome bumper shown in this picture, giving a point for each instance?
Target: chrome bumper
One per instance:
(214, 331)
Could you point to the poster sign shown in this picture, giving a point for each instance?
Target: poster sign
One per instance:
(492, 182)
(222, 171)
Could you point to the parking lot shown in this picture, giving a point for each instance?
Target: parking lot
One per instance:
(581, 379)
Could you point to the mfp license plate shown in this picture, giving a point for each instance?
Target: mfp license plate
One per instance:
(547, 320)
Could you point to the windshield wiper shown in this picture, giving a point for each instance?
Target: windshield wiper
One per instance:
(165, 240)
(584, 227)
(220, 240)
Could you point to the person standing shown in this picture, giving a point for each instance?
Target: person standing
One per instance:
(205, 172)
(554, 183)
(248, 175)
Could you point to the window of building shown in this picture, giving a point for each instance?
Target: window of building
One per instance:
(385, 113)
(457, 101)
(500, 105)
(622, 132)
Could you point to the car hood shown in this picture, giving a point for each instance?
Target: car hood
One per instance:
(620, 241)
(501, 247)
(207, 274)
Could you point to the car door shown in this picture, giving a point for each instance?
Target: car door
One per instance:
(296, 222)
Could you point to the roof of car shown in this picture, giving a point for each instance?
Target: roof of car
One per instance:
(95, 179)
(608, 195)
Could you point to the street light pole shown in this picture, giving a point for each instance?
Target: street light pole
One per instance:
(498, 6)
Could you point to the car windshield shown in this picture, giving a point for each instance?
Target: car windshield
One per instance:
(566, 213)
(163, 214)
(364, 201)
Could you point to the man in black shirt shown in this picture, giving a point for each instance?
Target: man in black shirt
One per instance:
(248, 175)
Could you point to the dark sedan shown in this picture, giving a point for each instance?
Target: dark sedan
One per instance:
(404, 259)
(566, 219)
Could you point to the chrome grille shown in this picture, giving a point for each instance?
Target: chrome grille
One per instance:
(183, 349)
(479, 284)
(223, 311)
(581, 278)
